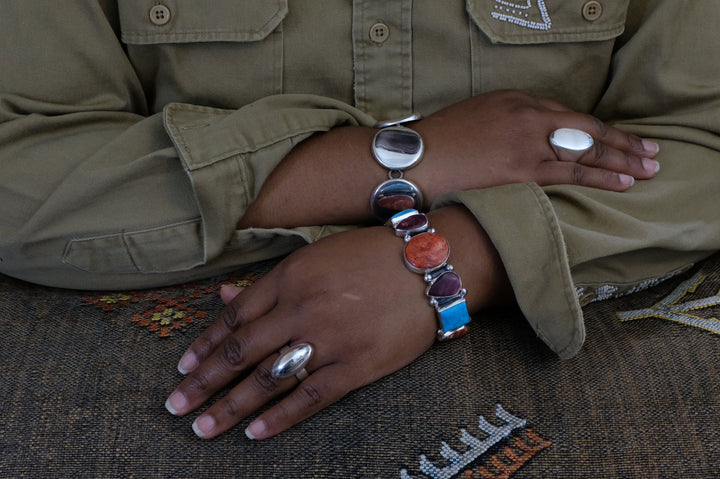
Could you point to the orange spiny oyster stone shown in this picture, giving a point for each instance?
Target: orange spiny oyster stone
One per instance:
(427, 251)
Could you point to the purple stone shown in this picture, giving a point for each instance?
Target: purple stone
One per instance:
(447, 284)
(412, 223)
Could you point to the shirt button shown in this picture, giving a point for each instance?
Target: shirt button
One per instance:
(159, 15)
(592, 11)
(379, 32)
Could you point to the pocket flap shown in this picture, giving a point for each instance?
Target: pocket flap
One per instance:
(548, 21)
(185, 21)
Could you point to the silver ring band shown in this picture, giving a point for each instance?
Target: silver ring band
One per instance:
(292, 360)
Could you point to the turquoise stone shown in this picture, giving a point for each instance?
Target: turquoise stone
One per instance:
(454, 317)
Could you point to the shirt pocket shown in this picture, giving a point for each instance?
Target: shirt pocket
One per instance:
(551, 48)
(225, 54)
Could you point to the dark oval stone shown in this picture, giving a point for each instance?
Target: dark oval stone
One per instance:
(447, 284)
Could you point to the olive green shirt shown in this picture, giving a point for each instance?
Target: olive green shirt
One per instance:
(135, 133)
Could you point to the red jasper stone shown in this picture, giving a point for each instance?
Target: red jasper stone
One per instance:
(447, 284)
(427, 251)
(396, 202)
(412, 223)
(457, 334)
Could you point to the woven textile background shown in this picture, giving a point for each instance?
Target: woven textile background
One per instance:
(84, 376)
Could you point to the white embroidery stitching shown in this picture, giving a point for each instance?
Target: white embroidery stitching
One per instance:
(476, 447)
(518, 14)
(610, 291)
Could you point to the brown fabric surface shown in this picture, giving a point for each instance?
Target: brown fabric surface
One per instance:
(85, 377)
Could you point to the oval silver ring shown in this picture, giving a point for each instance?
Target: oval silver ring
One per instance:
(292, 360)
(569, 143)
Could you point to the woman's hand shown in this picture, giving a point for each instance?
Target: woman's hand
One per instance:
(351, 297)
(502, 137)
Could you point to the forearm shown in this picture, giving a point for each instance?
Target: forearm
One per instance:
(326, 179)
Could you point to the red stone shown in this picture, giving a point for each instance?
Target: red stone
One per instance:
(447, 284)
(427, 251)
(396, 202)
(459, 333)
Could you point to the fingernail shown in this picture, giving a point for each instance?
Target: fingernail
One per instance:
(651, 165)
(204, 425)
(228, 292)
(187, 363)
(176, 404)
(626, 180)
(650, 146)
(255, 430)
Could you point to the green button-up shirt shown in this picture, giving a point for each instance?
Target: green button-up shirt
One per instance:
(135, 133)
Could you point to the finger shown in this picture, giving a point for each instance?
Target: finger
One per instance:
(563, 172)
(604, 133)
(321, 389)
(606, 157)
(236, 355)
(228, 292)
(251, 303)
(247, 397)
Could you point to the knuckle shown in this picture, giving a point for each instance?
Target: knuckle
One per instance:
(309, 395)
(577, 174)
(234, 352)
(264, 381)
(232, 316)
(601, 128)
(632, 161)
(635, 142)
(231, 407)
(204, 346)
(599, 152)
(198, 382)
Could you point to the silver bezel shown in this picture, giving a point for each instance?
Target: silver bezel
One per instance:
(390, 188)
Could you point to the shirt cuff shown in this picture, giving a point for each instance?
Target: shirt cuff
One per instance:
(228, 154)
(522, 224)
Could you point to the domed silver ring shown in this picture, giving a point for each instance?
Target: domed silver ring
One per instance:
(292, 360)
(570, 144)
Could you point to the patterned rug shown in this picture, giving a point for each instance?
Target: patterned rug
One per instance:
(85, 376)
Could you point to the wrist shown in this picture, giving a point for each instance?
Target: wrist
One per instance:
(474, 257)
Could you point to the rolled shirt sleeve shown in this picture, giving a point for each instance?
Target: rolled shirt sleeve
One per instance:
(99, 192)
(152, 200)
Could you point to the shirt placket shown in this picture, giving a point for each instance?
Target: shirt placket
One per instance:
(382, 51)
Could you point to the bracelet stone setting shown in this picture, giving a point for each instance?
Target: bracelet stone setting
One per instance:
(396, 148)
(427, 253)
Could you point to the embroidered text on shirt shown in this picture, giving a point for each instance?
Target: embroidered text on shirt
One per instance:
(523, 14)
